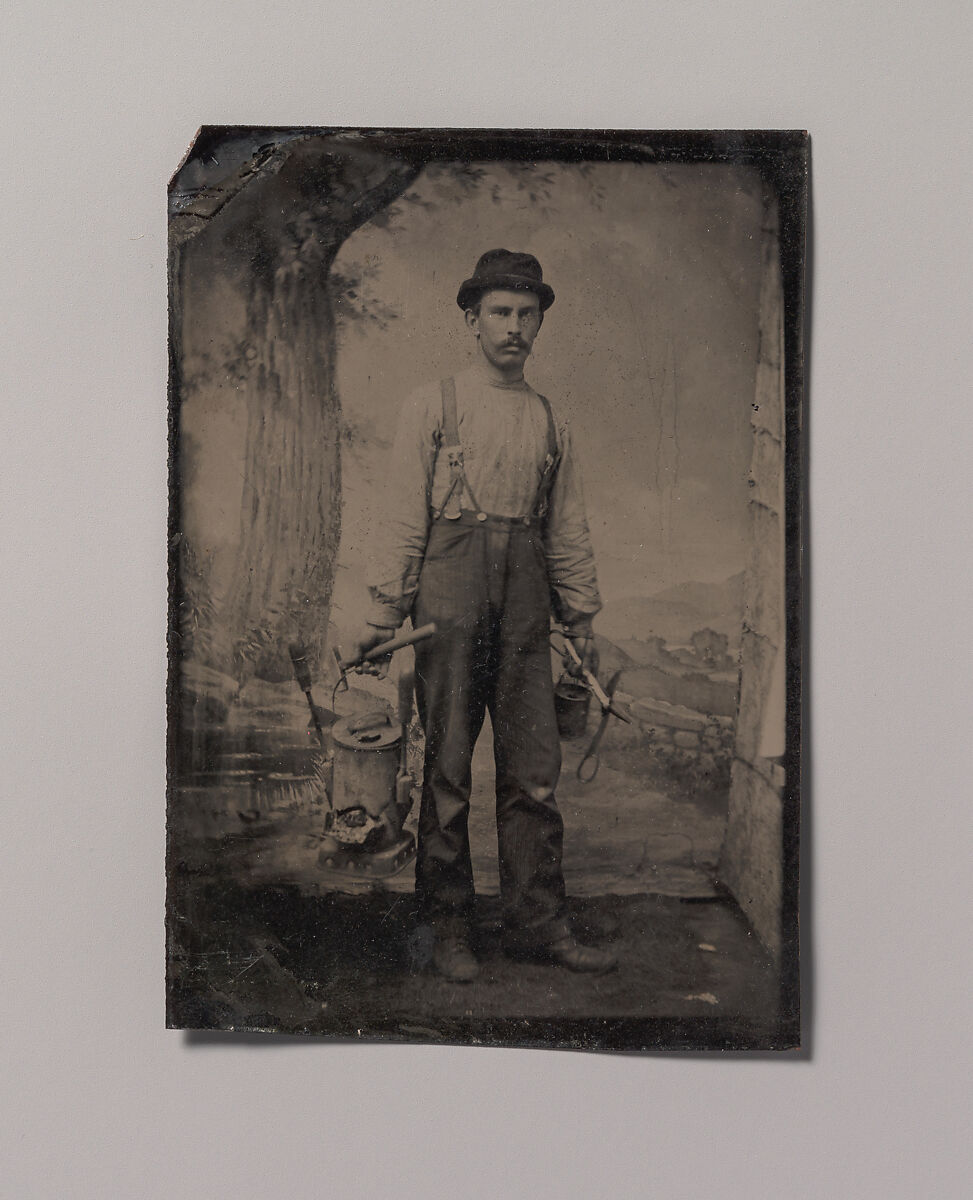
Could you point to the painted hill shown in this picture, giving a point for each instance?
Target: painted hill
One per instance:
(666, 679)
(611, 658)
(676, 613)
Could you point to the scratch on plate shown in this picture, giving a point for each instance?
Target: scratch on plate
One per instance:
(250, 964)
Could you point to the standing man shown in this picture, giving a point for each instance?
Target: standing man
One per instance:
(488, 533)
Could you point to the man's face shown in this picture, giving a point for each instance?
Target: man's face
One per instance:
(506, 326)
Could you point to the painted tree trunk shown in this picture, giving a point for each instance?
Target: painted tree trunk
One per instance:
(257, 418)
(290, 512)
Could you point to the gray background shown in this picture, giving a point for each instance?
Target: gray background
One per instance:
(98, 1099)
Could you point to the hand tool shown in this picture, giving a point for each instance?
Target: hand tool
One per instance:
(588, 767)
(302, 673)
(378, 652)
(599, 692)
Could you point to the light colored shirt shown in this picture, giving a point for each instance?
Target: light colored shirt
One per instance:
(503, 431)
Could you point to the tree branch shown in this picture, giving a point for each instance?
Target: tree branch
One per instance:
(399, 179)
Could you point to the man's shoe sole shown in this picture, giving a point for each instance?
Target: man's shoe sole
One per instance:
(454, 977)
(550, 958)
(604, 969)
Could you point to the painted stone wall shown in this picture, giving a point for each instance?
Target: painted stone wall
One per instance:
(752, 859)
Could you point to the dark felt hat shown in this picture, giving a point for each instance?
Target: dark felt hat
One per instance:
(508, 271)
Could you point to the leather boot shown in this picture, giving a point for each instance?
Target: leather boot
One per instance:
(453, 959)
(568, 952)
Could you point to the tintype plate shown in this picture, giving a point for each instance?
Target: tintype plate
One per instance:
(653, 293)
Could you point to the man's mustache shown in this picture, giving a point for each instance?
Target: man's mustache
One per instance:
(515, 344)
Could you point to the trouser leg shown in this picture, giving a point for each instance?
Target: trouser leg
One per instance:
(452, 679)
(528, 758)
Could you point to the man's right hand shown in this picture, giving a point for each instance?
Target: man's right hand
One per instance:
(368, 637)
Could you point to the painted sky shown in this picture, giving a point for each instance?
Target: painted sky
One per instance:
(649, 350)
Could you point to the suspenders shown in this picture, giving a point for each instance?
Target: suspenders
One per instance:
(451, 506)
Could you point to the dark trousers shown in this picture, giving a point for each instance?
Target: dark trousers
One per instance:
(485, 586)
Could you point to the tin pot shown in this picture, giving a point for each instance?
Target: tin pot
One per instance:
(366, 762)
(571, 703)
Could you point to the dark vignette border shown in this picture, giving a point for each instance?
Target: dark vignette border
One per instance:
(782, 157)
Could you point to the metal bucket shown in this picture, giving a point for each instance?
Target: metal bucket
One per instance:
(571, 701)
(366, 762)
